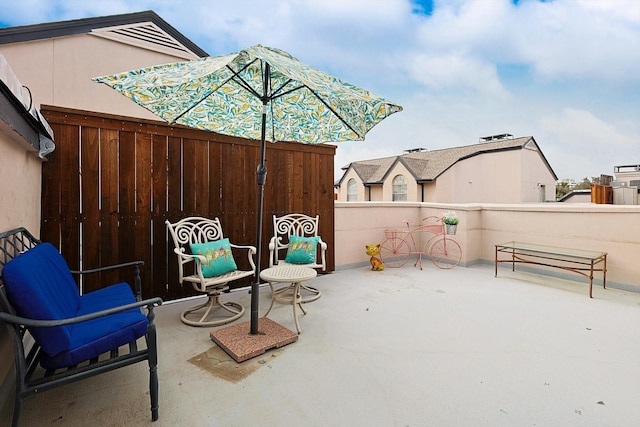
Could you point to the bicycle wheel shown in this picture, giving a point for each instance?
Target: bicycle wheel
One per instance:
(394, 252)
(445, 253)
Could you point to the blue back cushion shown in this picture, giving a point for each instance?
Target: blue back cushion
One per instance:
(39, 286)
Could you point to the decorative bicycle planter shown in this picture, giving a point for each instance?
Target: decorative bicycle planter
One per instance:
(450, 220)
(400, 244)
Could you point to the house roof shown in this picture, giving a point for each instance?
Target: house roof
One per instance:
(145, 29)
(429, 165)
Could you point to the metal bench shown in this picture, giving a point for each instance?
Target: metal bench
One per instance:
(59, 336)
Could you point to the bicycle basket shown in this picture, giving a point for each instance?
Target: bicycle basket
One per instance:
(393, 233)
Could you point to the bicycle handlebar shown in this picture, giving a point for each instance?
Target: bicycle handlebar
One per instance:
(437, 218)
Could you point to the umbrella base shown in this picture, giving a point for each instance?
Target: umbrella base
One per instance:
(241, 345)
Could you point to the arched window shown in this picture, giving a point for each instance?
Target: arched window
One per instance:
(352, 190)
(399, 188)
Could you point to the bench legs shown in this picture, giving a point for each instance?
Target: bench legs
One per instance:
(17, 408)
(153, 365)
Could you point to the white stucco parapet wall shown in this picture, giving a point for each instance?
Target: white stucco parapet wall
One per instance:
(614, 229)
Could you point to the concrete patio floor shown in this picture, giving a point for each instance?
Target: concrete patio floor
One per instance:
(402, 347)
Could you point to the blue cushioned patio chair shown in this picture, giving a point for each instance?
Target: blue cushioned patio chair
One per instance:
(76, 336)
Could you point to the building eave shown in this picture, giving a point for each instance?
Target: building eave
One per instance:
(23, 123)
(50, 30)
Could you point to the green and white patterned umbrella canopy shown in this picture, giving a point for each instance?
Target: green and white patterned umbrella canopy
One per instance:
(225, 94)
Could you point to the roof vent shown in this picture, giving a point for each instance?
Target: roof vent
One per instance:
(496, 137)
(146, 35)
(415, 150)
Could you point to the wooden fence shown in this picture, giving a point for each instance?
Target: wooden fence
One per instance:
(113, 181)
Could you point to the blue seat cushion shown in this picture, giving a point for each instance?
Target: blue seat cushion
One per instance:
(39, 286)
(105, 298)
(91, 338)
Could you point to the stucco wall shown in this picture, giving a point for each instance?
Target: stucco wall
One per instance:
(608, 228)
(360, 224)
(534, 176)
(38, 64)
(375, 192)
(21, 183)
(493, 177)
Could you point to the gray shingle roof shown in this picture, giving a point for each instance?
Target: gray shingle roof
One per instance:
(371, 171)
(428, 165)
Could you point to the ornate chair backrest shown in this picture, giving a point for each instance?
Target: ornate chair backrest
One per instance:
(192, 230)
(293, 224)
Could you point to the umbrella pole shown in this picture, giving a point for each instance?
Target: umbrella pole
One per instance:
(261, 174)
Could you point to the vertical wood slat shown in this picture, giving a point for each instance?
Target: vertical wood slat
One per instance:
(70, 195)
(138, 173)
(201, 166)
(189, 180)
(89, 190)
(173, 289)
(109, 209)
(50, 209)
(127, 232)
(161, 257)
(143, 224)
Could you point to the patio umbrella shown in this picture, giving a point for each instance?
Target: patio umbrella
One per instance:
(258, 93)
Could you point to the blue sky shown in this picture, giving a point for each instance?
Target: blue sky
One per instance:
(566, 72)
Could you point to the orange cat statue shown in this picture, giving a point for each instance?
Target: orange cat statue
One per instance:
(373, 251)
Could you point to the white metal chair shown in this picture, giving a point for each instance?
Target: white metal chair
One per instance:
(303, 226)
(204, 237)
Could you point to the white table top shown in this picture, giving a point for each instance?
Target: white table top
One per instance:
(288, 273)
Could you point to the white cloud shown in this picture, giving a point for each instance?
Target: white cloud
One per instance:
(593, 40)
(581, 141)
(578, 127)
(626, 10)
(454, 71)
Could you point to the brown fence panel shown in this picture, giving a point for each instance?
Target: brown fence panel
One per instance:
(109, 214)
(90, 203)
(113, 182)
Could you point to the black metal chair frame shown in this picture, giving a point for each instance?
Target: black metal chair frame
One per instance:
(30, 377)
